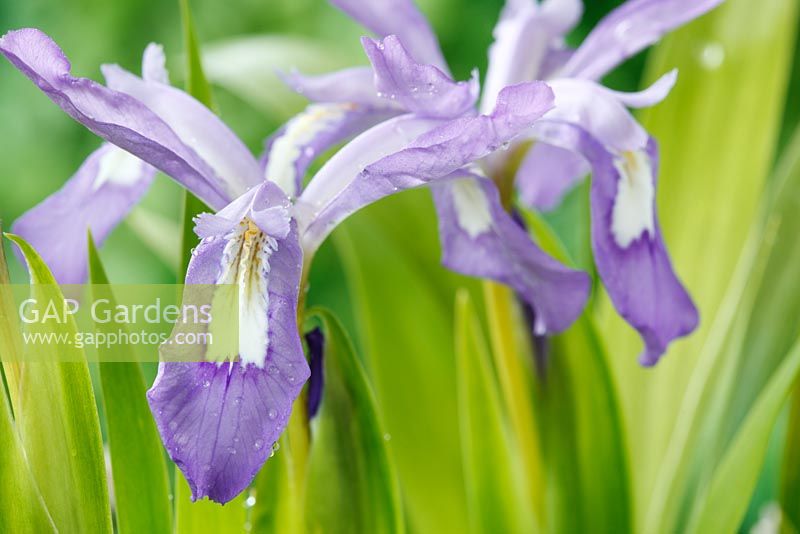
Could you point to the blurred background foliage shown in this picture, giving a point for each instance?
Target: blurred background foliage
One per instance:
(722, 131)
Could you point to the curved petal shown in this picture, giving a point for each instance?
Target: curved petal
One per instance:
(547, 173)
(343, 168)
(355, 85)
(220, 421)
(154, 64)
(629, 250)
(597, 110)
(524, 37)
(650, 96)
(479, 238)
(114, 116)
(401, 18)
(97, 198)
(197, 127)
(421, 89)
(433, 155)
(629, 29)
(292, 149)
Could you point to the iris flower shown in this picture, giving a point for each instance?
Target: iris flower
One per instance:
(219, 420)
(588, 129)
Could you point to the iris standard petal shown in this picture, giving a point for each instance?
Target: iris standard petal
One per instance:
(291, 150)
(401, 18)
(627, 30)
(547, 173)
(108, 184)
(597, 110)
(340, 170)
(355, 85)
(629, 250)
(524, 38)
(479, 238)
(114, 116)
(433, 155)
(196, 126)
(219, 421)
(154, 64)
(421, 89)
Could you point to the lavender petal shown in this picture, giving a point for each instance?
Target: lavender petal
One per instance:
(629, 29)
(97, 198)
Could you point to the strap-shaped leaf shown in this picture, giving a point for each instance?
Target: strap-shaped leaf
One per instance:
(352, 485)
(392, 270)
(56, 417)
(21, 505)
(141, 486)
(717, 133)
(577, 402)
(496, 490)
(739, 468)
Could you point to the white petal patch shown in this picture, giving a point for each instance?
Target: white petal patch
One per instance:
(632, 214)
(296, 140)
(118, 167)
(472, 207)
(245, 263)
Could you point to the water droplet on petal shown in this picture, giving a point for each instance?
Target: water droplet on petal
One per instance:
(207, 383)
(272, 413)
(258, 445)
(231, 451)
(173, 425)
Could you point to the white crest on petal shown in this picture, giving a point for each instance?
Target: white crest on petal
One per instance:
(632, 214)
(295, 141)
(472, 207)
(245, 263)
(118, 167)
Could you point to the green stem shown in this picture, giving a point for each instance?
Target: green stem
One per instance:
(298, 432)
(509, 350)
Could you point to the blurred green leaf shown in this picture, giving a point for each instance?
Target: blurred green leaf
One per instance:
(196, 82)
(141, 486)
(207, 516)
(402, 302)
(248, 67)
(512, 353)
(586, 453)
(161, 234)
(738, 470)
(351, 482)
(790, 468)
(56, 394)
(10, 340)
(21, 505)
(196, 85)
(276, 508)
(493, 484)
(739, 361)
(718, 132)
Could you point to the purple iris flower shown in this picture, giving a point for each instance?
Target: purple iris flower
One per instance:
(588, 129)
(219, 420)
